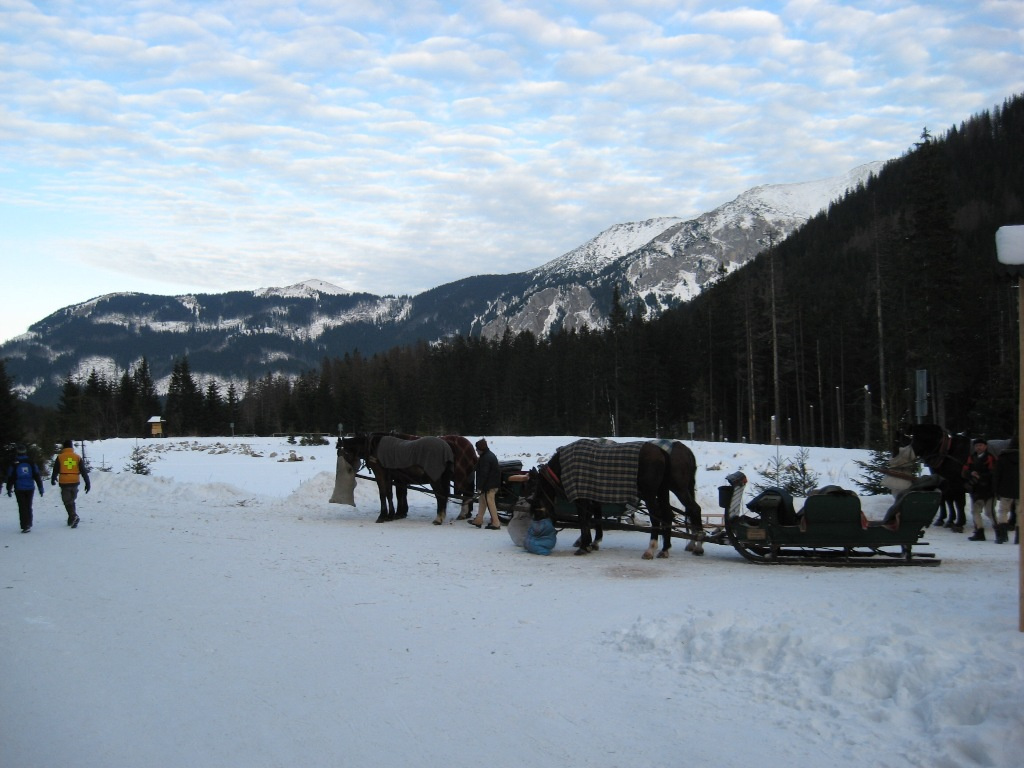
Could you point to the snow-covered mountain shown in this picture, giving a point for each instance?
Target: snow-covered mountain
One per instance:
(663, 261)
(238, 335)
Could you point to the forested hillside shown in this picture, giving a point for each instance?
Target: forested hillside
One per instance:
(818, 341)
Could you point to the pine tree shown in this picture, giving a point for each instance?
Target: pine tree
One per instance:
(184, 400)
(10, 411)
(871, 485)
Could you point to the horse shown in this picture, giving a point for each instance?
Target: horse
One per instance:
(463, 471)
(400, 461)
(944, 454)
(658, 471)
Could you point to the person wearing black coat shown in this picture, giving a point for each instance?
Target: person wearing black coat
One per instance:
(1007, 486)
(978, 474)
(488, 479)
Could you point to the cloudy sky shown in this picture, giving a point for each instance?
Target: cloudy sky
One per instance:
(169, 146)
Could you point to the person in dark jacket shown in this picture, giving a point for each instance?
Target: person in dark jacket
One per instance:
(488, 478)
(1007, 486)
(23, 477)
(68, 468)
(978, 475)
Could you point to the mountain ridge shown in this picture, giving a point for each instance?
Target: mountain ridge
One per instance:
(238, 335)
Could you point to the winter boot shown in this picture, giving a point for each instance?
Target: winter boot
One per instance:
(1000, 533)
(978, 535)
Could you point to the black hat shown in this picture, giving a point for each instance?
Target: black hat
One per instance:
(67, 444)
(980, 440)
(20, 448)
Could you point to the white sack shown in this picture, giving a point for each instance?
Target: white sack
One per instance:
(344, 484)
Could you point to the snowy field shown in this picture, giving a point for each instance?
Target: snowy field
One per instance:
(220, 612)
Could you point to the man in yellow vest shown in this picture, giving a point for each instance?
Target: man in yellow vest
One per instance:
(67, 469)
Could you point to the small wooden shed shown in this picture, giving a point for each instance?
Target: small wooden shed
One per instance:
(156, 426)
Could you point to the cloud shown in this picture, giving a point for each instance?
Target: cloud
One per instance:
(398, 145)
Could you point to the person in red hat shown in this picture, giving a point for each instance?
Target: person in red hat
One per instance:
(978, 475)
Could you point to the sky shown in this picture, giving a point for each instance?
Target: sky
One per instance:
(390, 147)
(220, 612)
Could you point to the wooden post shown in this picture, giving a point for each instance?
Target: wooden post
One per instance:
(1010, 253)
(1020, 433)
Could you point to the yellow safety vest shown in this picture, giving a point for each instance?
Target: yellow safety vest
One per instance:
(68, 462)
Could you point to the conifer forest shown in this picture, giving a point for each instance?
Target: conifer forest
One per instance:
(890, 305)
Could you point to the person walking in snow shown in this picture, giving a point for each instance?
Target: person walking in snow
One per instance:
(23, 477)
(488, 479)
(68, 468)
(978, 475)
(1007, 487)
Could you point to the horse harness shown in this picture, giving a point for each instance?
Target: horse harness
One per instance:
(552, 480)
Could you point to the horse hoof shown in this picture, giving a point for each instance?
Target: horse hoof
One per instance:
(595, 547)
(437, 522)
(663, 554)
(381, 519)
(583, 551)
(648, 556)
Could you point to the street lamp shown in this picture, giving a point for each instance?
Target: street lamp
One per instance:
(1010, 252)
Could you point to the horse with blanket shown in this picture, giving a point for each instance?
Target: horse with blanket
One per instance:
(592, 472)
(401, 462)
(463, 474)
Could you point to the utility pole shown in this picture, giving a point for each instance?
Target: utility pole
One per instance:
(775, 334)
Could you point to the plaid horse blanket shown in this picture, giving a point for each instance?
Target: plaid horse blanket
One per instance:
(433, 454)
(600, 470)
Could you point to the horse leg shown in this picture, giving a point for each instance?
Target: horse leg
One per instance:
(442, 489)
(442, 504)
(960, 502)
(466, 509)
(696, 524)
(585, 543)
(384, 492)
(402, 494)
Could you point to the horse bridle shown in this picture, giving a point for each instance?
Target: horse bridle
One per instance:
(360, 461)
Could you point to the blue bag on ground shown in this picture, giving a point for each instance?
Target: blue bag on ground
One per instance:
(540, 537)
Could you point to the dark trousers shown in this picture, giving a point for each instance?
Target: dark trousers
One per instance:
(25, 507)
(68, 494)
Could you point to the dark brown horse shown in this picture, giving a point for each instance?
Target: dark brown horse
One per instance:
(463, 473)
(659, 471)
(944, 455)
(395, 462)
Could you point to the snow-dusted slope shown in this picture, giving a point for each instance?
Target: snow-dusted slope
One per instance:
(665, 261)
(307, 288)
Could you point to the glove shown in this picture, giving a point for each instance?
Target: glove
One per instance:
(52, 481)
(88, 488)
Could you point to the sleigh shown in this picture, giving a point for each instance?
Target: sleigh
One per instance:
(830, 528)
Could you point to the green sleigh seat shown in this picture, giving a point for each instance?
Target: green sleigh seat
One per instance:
(836, 520)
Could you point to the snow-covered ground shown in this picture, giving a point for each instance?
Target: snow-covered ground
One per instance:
(220, 612)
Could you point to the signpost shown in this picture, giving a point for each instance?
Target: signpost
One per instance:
(1010, 251)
